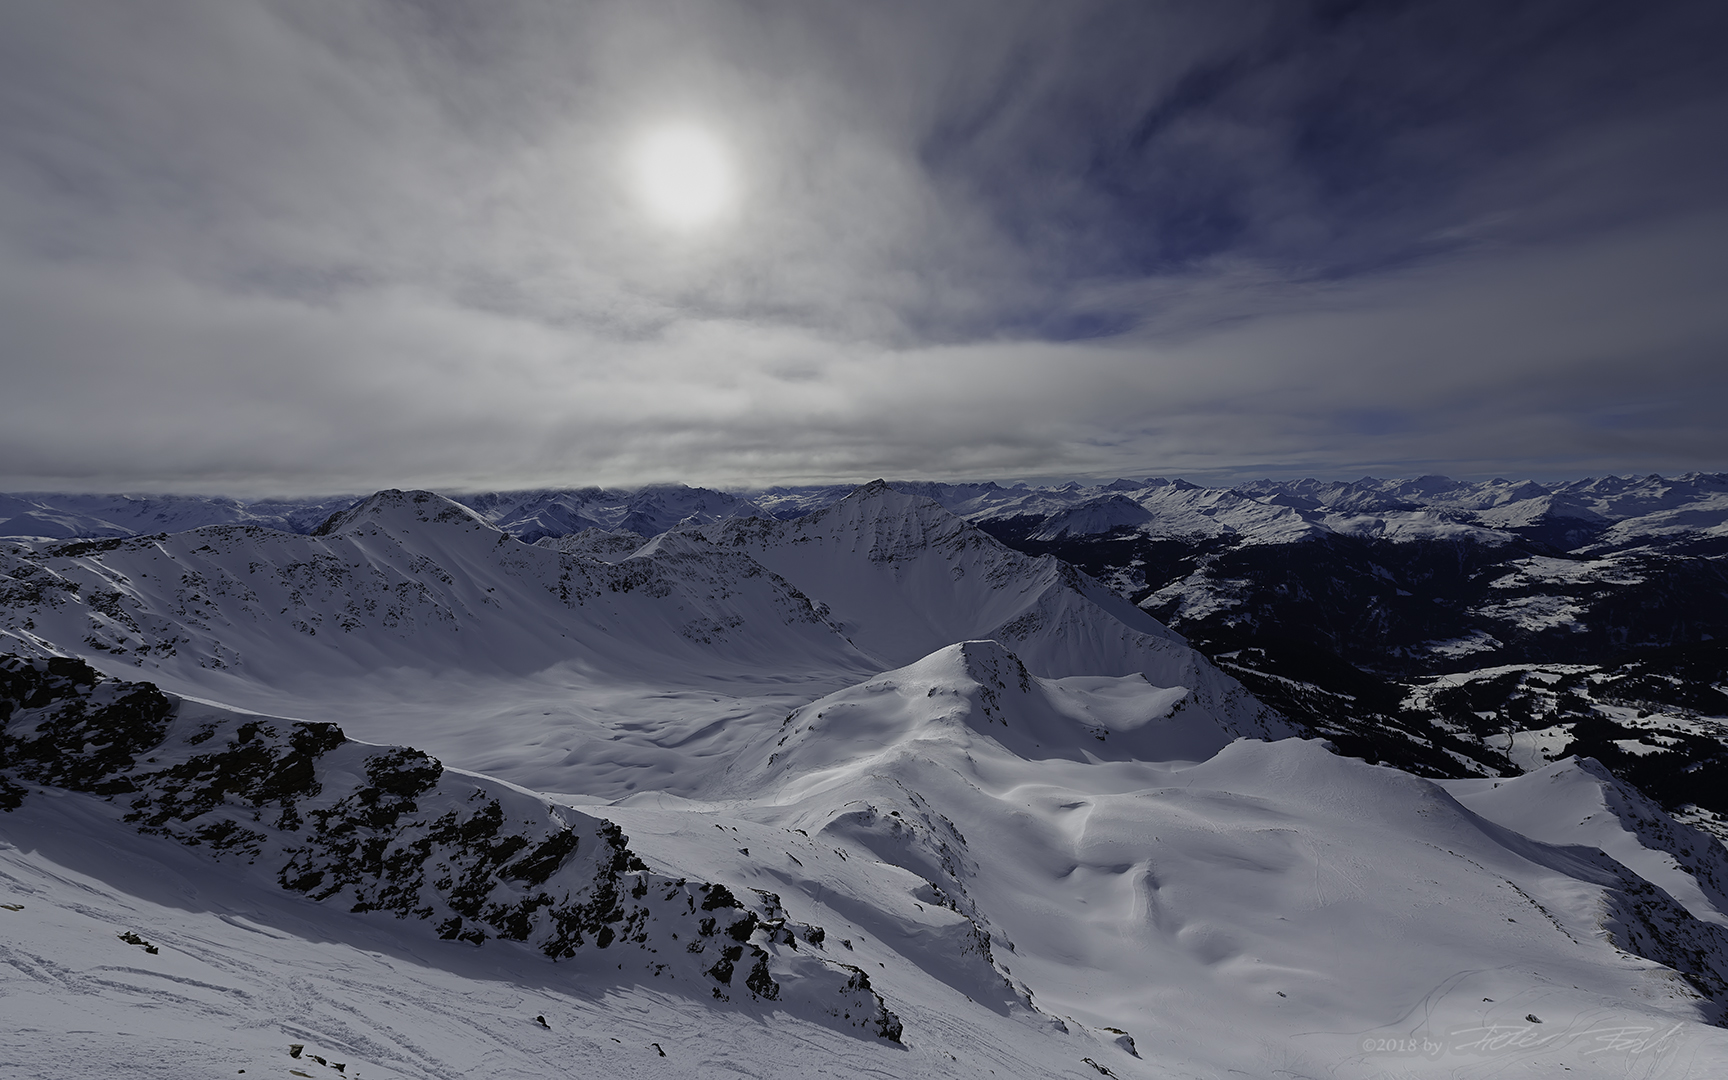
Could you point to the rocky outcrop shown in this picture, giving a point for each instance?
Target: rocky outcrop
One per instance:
(379, 829)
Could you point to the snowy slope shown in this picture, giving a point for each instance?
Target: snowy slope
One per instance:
(1275, 910)
(389, 830)
(1577, 801)
(1608, 512)
(411, 620)
(1101, 515)
(532, 515)
(612, 666)
(901, 577)
(942, 783)
(403, 579)
(1019, 907)
(980, 690)
(528, 515)
(292, 887)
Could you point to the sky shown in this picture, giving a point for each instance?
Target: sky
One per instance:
(294, 246)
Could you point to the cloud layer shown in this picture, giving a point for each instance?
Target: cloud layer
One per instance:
(257, 246)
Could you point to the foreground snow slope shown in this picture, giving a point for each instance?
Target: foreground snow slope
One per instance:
(389, 830)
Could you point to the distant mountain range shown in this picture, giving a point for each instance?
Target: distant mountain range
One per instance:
(1445, 626)
(1595, 514)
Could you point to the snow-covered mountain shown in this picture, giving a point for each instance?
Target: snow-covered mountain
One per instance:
(864, 791)
(66, 517)
(418, 606)
(935, 877)
(527, 515)
(1600, 513)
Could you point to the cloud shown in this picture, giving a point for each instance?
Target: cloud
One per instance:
(270, 247)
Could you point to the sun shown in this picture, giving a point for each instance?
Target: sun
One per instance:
(682, 175)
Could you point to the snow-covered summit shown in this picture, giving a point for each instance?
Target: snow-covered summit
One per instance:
(1102, 515)
(902, 577)
(979, 690)
(401, 513)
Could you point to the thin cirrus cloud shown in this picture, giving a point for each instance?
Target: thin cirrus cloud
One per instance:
(257, 246)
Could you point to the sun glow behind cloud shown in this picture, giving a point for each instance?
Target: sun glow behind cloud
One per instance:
(311, 247)
(682, 176)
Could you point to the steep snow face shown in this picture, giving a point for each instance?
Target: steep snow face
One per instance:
(901, 577)
(1182, 510)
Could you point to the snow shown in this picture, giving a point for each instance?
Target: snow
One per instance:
(1531, 750)
(1534, 614)
(1030, 814)
(1474, 642)
(1543, 571)
(1575, 801)
(1088, 519)
(244, 972)
(1404, 526)
(1273, 903)
(1606, 513)
(62, 517)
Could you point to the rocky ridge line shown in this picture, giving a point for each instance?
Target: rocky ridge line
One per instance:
(388, 829)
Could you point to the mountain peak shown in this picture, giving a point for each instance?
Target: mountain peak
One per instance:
(986, 662)
(395, 507)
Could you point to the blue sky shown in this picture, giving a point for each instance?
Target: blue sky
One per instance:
(275, 247)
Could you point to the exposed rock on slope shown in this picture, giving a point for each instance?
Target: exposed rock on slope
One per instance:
(388, 829)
